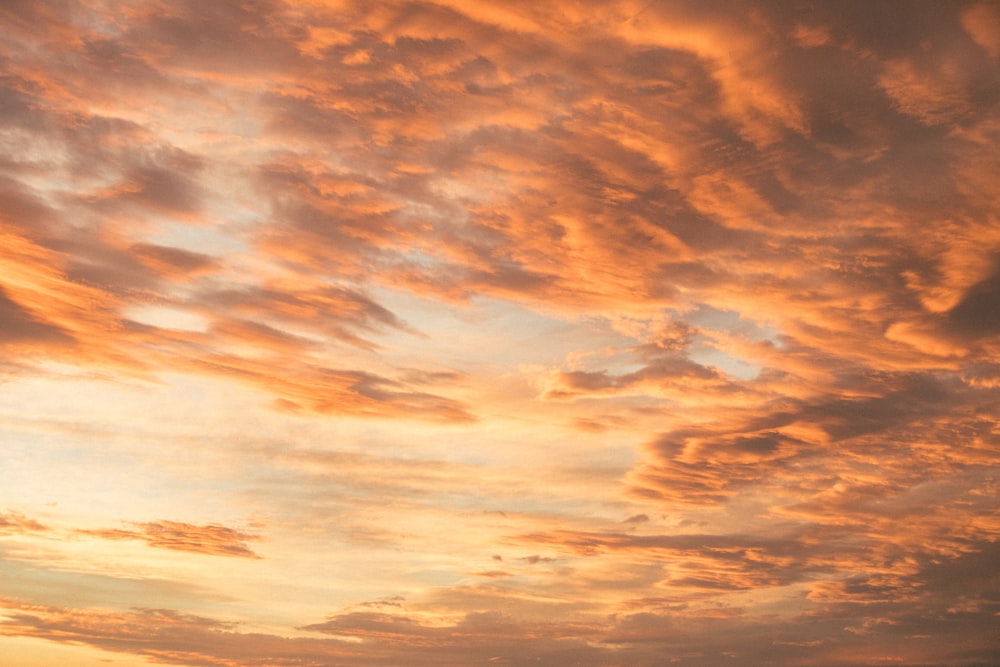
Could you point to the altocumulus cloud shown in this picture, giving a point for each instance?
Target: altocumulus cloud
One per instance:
(428, 286)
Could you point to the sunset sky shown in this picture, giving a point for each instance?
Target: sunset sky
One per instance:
(445, 333)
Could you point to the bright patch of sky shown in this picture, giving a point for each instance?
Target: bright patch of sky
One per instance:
(491, 332)
(217, 241)
(732, 323)
(167, 318)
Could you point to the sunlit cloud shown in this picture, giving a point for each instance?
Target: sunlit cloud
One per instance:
(377, 333)
(12, 523)
(210, 539)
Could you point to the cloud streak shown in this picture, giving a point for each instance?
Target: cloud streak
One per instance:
(211, 539)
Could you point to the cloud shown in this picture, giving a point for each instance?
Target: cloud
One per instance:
(982, 22)
(172, 261)
(210, 539)
(14, 523)
(974, 314)
(169, 637)
(728, 271)
(161, 635)
(67, 120)
(19, 324)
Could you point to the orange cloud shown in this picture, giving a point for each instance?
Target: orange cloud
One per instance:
(211, 539)
(731, 272)
(14, 523)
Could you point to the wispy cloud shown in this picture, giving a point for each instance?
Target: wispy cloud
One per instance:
(13, 523)
(211, 539)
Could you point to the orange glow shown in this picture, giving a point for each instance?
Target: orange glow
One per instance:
(453, 333)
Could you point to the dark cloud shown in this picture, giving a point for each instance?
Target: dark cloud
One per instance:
(976, 315)
(710, 464)
(18, 324)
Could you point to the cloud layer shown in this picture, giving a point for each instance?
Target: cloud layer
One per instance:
(578, 333)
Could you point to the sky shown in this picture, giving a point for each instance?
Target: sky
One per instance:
(575, 333)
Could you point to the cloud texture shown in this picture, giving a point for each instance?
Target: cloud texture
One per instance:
(587, 333)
